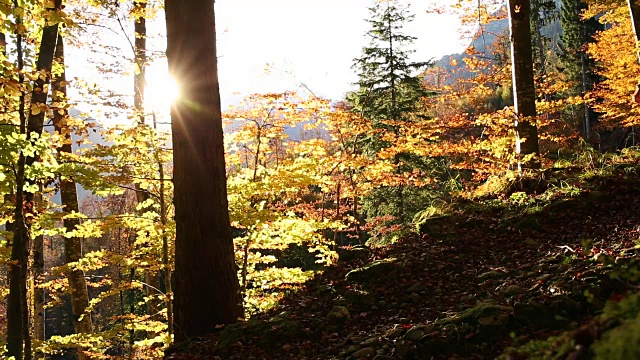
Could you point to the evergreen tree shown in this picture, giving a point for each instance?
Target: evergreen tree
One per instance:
(575, 63)
(389, 89)
(543, 13)
(389, 86)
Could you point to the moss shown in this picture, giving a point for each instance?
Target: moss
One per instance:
(475, 314)
(621, 343)
(380, 270)
(275, 330)
(627, 308)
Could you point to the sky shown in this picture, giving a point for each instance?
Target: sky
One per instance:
(276, 45)
(310, 42)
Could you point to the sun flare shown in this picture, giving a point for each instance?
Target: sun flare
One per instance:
(162, 90)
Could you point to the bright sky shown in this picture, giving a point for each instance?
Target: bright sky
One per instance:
(313, 42)
(299, 41)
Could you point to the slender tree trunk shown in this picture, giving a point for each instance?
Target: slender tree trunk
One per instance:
(523, 83)
(587, 110)
(35, 123)
(166, 263)
(38, 292)
(72, 245)
(140, 58)
(634, 10)
(207, 289)
(17, 269)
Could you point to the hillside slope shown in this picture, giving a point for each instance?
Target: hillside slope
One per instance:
(489, 276)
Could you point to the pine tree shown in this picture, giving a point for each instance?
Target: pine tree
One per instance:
(389, 90)
(575, 63)
(543, 13)
(389, 86)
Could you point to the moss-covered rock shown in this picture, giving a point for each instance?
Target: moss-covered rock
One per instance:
(481, 314)
(377, 270)
(621, 343)
(356, 253)
(279, 329)
(433, 226)
(338, 315)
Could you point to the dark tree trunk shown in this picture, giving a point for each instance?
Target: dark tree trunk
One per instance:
(72, 246)
(140, 58)
(523, 83)
(17, 269)
(207, 289)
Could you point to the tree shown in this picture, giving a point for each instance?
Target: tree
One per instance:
(207, 289)
(523, 85)
(577, 65)
(543, 13)
(69, 197)
(634, 11)
(389, 88)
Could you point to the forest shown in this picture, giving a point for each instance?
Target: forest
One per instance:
(477, 206)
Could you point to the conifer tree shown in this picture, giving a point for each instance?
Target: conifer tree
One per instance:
(389, 87)
(543, 13)
(574, 60)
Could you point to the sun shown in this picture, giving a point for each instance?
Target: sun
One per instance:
(161, 89)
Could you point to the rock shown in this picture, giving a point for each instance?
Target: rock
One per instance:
(396, 332)
(377, 270)
(513, 290)
(415, 298)
(360, 298)
(356, 253)
(372, 341)
(432, 226)
(415, 333)
(364, 353)
(494, 320)
(486, 311)
(545, 278)
(277, 329)
(383, 357)
(491, 275)
(415, 288)
(353, 348)
(402, 348)
(338, 315)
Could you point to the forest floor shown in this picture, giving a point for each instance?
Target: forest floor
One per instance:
(477, 284)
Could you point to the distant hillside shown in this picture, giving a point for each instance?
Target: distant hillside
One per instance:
(482, 45)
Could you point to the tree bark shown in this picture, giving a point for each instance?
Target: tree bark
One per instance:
(523, 83)
(73, 245)
(207, 289)
(634, 10)
(140, 58)
(17, 269)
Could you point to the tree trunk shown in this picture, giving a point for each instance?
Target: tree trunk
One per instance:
(140, 58)
(634, 10)
(17, 269)
(207, 289)
(38, 292)
(523, 84)
(72, 246)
